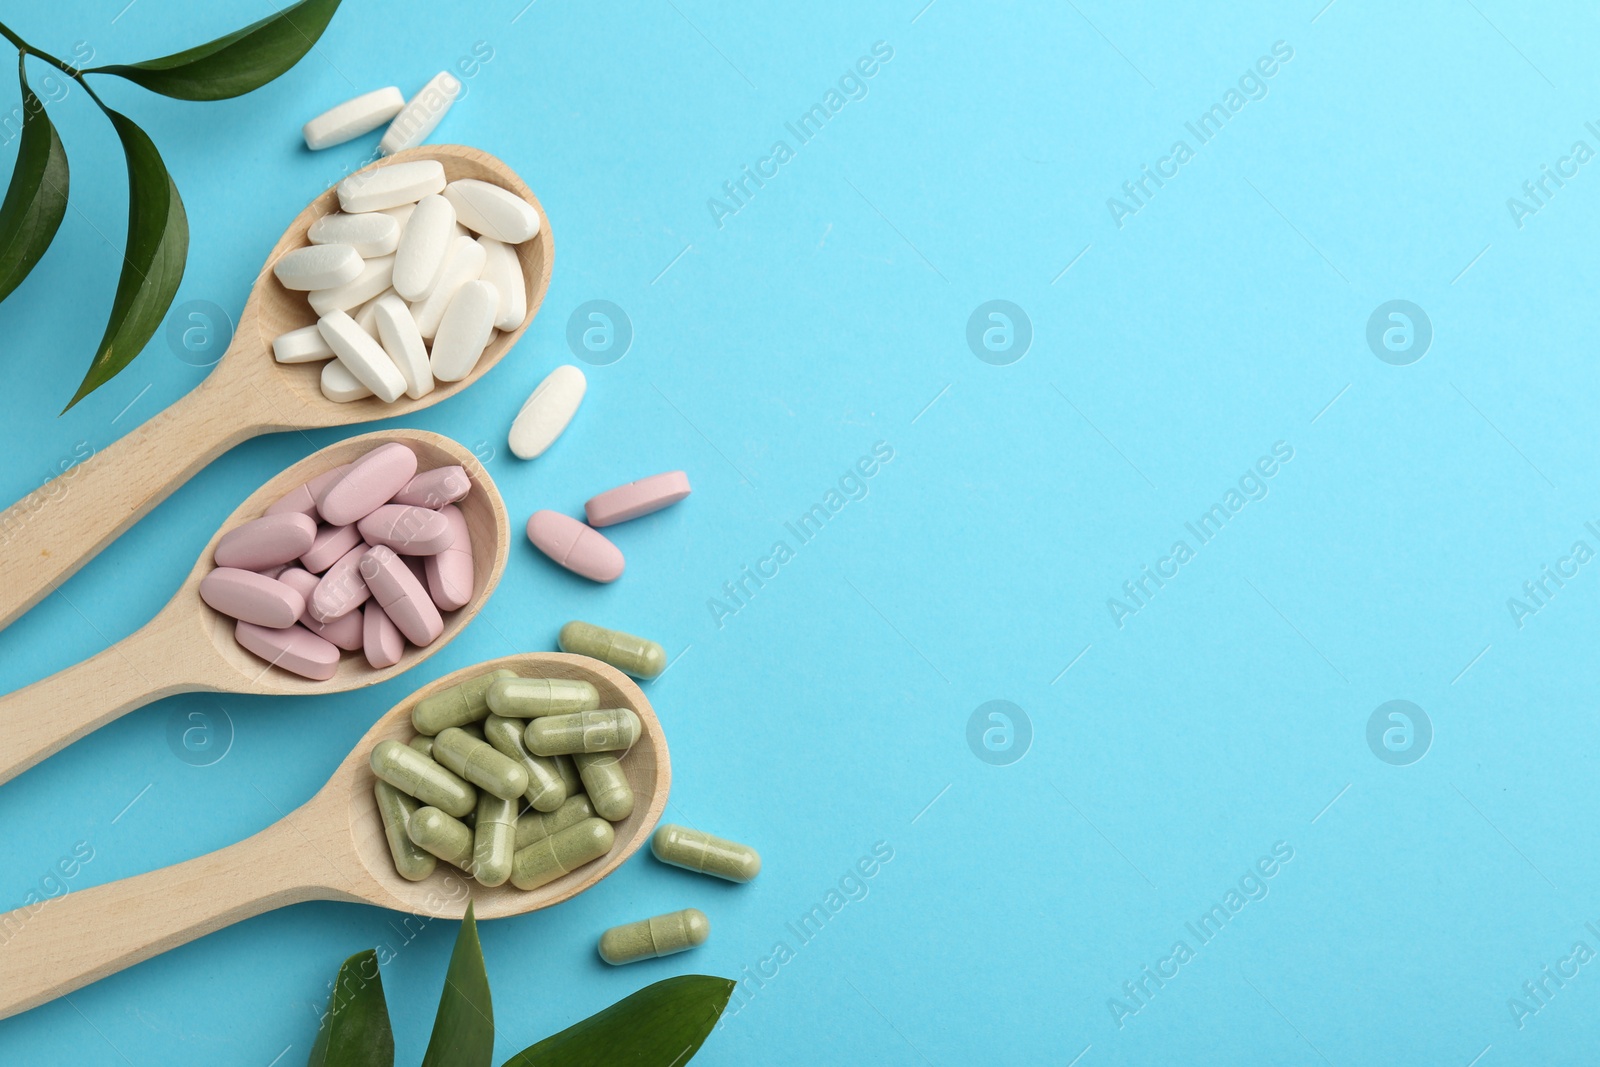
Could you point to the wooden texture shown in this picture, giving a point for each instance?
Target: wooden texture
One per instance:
(189, 647)
(49, 534)
(330, 848)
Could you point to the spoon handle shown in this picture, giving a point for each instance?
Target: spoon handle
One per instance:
(51, 532)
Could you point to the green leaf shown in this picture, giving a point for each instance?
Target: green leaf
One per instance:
(355, 1031)
(662, 1025)
(37, 199)
(152, 264)
(237, 63)
(463, 1031)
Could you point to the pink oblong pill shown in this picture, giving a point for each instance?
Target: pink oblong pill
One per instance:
(303, 499)
(344, 631)
(295, 649)
(435, 488)
(342, 588)
(251, 597)
(575, 546)
(409, 530)
(368, 484)
(382, 640)
(450, 573)
(402, 596)
(637, 498)
(265, 542)
(330, 543)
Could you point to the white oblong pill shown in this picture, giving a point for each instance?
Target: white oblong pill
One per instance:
(398, 333)
(401, 213)
(353, 118)
(362, 356)
(366, 317)
(492, 211)
(419, 260)
(373, 280)
(339, 385)
(465, 264)
(503, 270)
(371, 233)
(547, 411)
(391, 185)
(317, 267)
(421, 115)
(464, 331)
(304, 345)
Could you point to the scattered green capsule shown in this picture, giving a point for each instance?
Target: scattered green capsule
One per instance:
(606, 784)
(639, 656)
(562, 853)
(395, 808)
(423, 745)
(480, 763)
(418, 776)
(527, 698)
(607, 730)
(546, 790)
(494, 836)
(538, 825)
(659, 936)
(696, 850)
(449, 839)
(456, 706)
(569, 774)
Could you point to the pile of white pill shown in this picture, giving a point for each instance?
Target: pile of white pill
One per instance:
(362, 558)
(410, 280)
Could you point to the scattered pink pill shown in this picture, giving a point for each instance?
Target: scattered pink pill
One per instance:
(265, 542)
(331, 542)
(409, 530)
(450, 573)
(342, 589)
(637, 498)
(251, 597)
(303, 499)
(344, 631)
(368, 484)
(401, 595)
(435, 488)
(294, 649)
(575, 546)
(382, 640)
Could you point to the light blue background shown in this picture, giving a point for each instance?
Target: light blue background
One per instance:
(830, 713)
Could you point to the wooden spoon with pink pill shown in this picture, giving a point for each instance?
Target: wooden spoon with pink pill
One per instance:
(330, 848)
(189, 647)
(48, 535)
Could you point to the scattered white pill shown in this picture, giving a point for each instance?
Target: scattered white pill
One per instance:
(492, 211)
(421, 115)
(373, 280)
(371, 233)
(419, 260)
(503, 270)
(397, 331)
(464, 265)
(464, 331)
(304, 345)
(339, 385)
(318, 267)
(547, 412)
(362, 356)
(376, 188)
(353, 118)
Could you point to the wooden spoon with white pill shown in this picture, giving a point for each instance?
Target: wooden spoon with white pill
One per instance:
(189, 647)
(49, 534)
(330, 848)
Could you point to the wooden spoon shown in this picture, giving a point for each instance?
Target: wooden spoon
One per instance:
(189, 647)
(52, 532)
(330, 848)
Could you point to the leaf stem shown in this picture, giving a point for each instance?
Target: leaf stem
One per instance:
(29, 50)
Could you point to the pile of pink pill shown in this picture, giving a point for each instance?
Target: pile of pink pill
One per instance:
(583, 549)
(361, 558)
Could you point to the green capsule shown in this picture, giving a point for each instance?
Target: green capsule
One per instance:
(660, 936)
(395, 808)
(527, 698)
(639, 656)
(696, 850)
(606, 784)
(569, 774)
(449, 839)
(562, 853)
(538, 825)
(480, 763)
(607, 730)
(494, 835)
(418, 776)
(456, 706)
(546, 790)
(423, 745)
